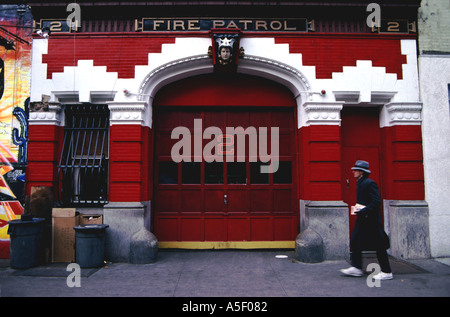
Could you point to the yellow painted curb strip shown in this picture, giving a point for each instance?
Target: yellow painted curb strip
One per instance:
(227, 245)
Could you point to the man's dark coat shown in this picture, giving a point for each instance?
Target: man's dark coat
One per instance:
(368, 233)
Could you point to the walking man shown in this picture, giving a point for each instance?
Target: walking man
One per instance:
(368, 233)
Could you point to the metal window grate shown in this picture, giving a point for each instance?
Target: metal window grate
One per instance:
(83, 166)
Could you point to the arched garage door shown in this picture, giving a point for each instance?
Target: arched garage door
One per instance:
(201, 201)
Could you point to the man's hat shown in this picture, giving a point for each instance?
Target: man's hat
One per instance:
(361, 166)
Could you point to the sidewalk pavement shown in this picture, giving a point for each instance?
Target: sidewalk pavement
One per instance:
(224, 274)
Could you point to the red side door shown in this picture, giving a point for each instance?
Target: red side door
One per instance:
(360, 135)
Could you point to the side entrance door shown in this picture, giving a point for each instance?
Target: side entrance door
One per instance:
(360, 135)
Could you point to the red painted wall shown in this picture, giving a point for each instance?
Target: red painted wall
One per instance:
(147, 164)
(320, 163)
(130, 166)
(402, 162)
(44, 148)
(330, 53)
(225, 90)
(122, 52)
(319, 160)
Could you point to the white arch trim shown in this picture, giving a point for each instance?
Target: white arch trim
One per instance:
(202, 64)
(279, 72)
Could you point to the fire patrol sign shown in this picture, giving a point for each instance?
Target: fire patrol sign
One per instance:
(244, 24)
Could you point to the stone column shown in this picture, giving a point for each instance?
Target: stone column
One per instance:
(406, 214)
(324, 223)
(329, 219)
(128, 238)
(407, 225)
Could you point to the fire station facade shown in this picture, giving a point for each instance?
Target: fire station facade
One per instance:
(105, 136)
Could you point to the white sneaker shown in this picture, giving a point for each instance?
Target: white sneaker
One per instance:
(383, 276)
(352, 271)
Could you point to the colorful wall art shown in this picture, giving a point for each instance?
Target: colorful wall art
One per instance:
(16, 27)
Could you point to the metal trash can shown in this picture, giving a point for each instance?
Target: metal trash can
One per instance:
(26, 242)
(90, 245)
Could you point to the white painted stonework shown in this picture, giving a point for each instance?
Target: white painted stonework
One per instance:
(320, 113)
(401, 113)
(362, 84)
(434, 80)
(129, 113)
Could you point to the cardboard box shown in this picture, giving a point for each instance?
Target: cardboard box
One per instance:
(63, 234)
(91, 219)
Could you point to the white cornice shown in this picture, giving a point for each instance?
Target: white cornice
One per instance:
(401, 113)
(135, 112)
(52, 116)
(320, 113)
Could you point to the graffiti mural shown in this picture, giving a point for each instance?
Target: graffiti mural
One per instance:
(16, 27)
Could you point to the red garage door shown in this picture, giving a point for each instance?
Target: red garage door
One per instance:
(203, 201)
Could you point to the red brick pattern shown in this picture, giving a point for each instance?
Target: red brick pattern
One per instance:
(121, 53)
(118, 53)
(330, 53)
(319, 162)
(403, 162)
(43, 155)
(129, 163)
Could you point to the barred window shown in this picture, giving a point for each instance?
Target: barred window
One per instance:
(83, 165)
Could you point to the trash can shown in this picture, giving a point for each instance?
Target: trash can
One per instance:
(90, 245)
(26, 242)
